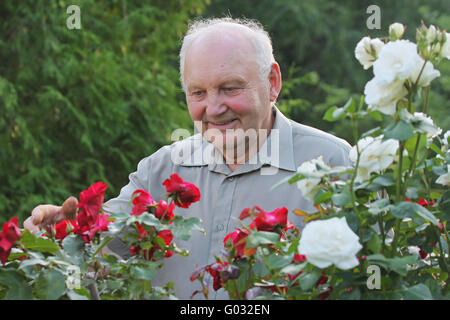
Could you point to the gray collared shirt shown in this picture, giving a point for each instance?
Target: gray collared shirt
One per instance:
(224, 193)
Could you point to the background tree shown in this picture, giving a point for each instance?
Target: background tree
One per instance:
(79, 106)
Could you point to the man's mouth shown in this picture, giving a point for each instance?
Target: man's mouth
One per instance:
(222, 125)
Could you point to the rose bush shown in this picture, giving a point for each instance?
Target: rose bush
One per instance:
(65, 261)
(386, 212)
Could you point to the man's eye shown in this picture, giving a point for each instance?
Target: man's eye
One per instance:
(231, 90)
(197, 93)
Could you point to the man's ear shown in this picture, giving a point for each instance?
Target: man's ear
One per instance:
(274, 81)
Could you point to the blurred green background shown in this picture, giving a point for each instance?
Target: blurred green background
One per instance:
(79, 106)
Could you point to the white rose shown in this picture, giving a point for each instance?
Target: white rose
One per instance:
(383, 97)
(396, 61)
(446, 47)
(445, 178)
(367, 50)
(376, 155)
(426, 125)
(432, 33)
(428, 73)
(446, 135)
(327, 242)
(310, 185)
(396, 30)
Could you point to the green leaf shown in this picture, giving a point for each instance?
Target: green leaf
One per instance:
(350, 106)
(418, 292)
(436, 149)
(308, 280)
(322, 196)
(399, 265)
(385, 180)
(276, 261)
(293, 269)
(403, 209)
(334, 114)
(262, 237)
(103, 243)
(425, 214)
(401, 131)
(342, 199)
(76, 295)
(379, 260)
(444, 202)
(18, 289)
(366, 234)
(376, 115)
(354, 294)
(73, 245)
(374, 244)
(148, 219)
(182, 228)
(28, 264)
(32, 242)
(378, 206)
(146, 272)
(50, 284)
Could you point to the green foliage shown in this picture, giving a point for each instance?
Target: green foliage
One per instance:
(78, 106)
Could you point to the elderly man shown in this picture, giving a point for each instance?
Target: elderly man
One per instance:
(232, 82)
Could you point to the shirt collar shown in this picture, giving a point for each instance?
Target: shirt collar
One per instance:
(277, 150)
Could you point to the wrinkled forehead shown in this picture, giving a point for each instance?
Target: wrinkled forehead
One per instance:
(221, 48)
(226, 37)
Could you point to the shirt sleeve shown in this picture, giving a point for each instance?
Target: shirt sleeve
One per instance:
(137, 180)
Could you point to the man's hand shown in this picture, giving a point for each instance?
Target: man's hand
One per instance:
(49, 214)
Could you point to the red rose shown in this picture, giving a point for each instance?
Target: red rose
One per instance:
(183, 193)
(214, 270)
(9, 235)
(238, 242)
(422, 202)
(91, 201)
(135, 250)
(269, 221)
(141, 202)
(88, 231)
(64, 228)
(167, 237)
(165, 210)
(101, 224)
(141, 230)
(425, 203)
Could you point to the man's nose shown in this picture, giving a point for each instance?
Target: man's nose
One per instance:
(215, 105)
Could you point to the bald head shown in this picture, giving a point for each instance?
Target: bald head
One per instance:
(226, 33)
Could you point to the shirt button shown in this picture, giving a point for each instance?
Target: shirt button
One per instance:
(220, 227)
(230, 179)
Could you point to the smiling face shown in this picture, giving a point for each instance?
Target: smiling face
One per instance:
(224, 91)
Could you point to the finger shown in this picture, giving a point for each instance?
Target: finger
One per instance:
(69, 209)
(30, 226)
(45, 214)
